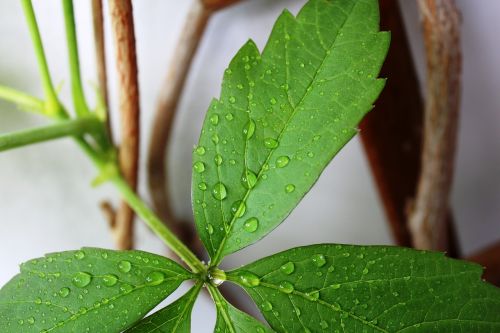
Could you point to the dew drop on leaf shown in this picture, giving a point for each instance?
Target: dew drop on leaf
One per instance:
(81, 279)
(232, 99)
(249, 129)
(319, 260)
(215, 138)
(282, 161)
(109, 280)
(238, 208)
(200, 150)
(323, 324)
(63, 292)
(229, 117)
(80, 255)
(218, 159)
(286, 287)
(290, 188)
(202, 186)
(288, 268)
(267, 306)
(248, 279)
(270, 143)
(199, 167)
(155, 278)
(210, 229)
(251, 225)
(124, 266)
(273, 101)
(219, 191)
(313, 295)
(214, 119)
(126, 288)
(249, 179)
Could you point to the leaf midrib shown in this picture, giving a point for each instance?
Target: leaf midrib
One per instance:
(217, 258)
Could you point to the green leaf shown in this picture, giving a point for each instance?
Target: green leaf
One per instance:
(175, 318)
(90, 290)
(344, 288)
(281, 118)
(232, 320)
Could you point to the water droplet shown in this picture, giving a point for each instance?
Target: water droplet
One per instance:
(249, 129)
(313, 295)
(200, 150)
(270, 143)
(266, 306)
(126, 288)
(290, 188)
(282, 161)
(238, 208)
(232, 99)
(251, 224)
(81, 279)
(109, 280)
(323, 324)
(239, 86)
(80, 255)
(219, 191)
(365, 271)
(214, 119)
(248, 279)
(199, 167)
(124, 266)
(31, 320)
(310, 154)
(210, 229)
(215, 138)
(273, 101)
(229, 71)
(155, 278)
(336, 286)
(316, 137)
(249, 179)
(319, 260)
(287, 37)
(202, 186)
(288, 268)
(286, 287)
(302, 65)
(39, 300)
(229, 117)
(218, 159)
(63, 292)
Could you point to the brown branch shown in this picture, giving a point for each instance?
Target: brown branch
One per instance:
(124, 40)
(218, 4)
(427, 222)
(165, 113)
(490, 259)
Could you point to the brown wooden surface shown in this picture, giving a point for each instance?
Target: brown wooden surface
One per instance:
(490, 259)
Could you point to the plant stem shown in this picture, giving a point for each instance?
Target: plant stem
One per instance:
(53, 107)
(22, 99)
(147, 215)
(62, 129)
(79, 101)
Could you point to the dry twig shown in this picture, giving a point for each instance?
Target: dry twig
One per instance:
(441, 23)
(124, 40)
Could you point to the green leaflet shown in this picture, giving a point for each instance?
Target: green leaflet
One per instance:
(175, 318)
(232, 320)
(91, 290)
(281, 118)
(370, 289)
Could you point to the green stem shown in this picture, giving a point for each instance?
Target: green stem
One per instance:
(53, 107)
(22, 99)
(147, 215)
(62, 129)
(79, 101)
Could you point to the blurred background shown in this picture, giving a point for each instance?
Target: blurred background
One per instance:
(47, 203)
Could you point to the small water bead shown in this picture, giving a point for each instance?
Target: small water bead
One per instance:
(266, 306)
(238, 208)
(270, 143)
(313, 295)
(210, 229)
(335, 286)
(251, 225)
(239, 86)
(200, 150)
(218, 159)
(323, 324)
(124, 266)
(289, 188)
(63, 292)
(248, 279)
(215, 138)
(219, 191)
(319, 260)
(249, 179)
(126, 288)
(365, 271)
(109, 280)
(214, 119)
(39, 300)
(155, 278)
(286, 287)
(232, 99)
(229, 117)
(282, 161)
(81, 279)
(31, 320)
(273, 101)
(80, 255)
(288, 268)
(202, 186)
(249, 129)
(199, 167)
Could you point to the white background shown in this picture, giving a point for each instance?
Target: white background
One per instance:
(47, 204)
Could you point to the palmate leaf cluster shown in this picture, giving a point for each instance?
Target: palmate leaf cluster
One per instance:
(282, 115)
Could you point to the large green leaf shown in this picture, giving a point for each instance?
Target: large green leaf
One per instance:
(281, 118)
(90, 290)
(343, 288)
(232, 320)
(175, 318)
